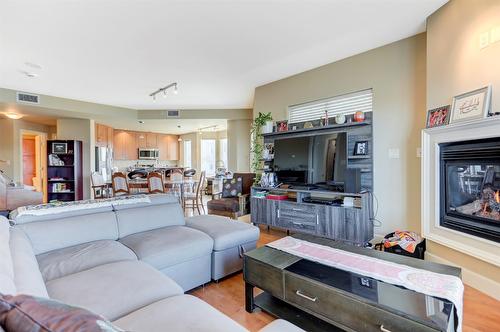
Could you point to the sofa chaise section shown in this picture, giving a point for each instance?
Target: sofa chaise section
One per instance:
(231, 238)
(114, 290)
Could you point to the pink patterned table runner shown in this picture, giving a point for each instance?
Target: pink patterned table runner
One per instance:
(426, 282)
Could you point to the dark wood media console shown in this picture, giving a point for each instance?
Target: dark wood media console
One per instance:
(321, 298)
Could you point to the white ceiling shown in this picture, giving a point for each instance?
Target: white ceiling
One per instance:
(116, 52)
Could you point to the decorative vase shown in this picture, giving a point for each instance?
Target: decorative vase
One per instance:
(359, 116)
(268, 127)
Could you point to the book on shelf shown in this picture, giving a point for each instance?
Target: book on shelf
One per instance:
(60, 188)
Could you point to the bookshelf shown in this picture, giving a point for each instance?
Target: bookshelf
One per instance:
(64, 170)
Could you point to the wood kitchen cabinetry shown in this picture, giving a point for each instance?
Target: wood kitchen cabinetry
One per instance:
(147, 140)
(168, 146)
(103, 135)
(125, 145)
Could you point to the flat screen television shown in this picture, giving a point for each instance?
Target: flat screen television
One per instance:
(319, 160)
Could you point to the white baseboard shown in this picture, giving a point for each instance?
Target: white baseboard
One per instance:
(471, 278)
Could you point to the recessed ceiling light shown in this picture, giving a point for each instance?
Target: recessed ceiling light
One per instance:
(14, 116)
(29, 74)
(178, 126)
(140, 121)
(33, 65)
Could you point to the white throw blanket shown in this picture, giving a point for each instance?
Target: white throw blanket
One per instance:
(60, 207)
(426, 282)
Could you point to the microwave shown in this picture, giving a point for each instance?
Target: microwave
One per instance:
(149, 153)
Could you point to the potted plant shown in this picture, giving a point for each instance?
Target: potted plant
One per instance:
(258, 124)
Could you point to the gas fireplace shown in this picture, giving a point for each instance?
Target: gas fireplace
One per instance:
(470, 187)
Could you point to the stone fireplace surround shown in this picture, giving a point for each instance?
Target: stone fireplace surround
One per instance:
(474, 246)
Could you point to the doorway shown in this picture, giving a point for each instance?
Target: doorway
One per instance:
(34, 160)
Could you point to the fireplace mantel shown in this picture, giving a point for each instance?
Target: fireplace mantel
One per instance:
(477, 247)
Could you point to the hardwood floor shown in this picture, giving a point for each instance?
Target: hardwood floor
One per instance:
(481, 312)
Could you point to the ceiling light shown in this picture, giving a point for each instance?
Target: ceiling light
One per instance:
(140, 121)
(164, 90)
(29, 74)
(179, 139)
(14, 116)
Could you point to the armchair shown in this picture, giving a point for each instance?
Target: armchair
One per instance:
(234, 204)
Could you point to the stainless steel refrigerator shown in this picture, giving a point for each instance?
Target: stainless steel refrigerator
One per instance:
(104, 162)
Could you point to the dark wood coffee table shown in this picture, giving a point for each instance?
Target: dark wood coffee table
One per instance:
(321, 298)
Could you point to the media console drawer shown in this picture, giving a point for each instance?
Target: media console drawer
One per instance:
(344, 310)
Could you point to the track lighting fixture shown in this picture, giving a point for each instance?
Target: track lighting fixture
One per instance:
(164, 90)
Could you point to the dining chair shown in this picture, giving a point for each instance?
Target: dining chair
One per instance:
(155, 183)
(99, 186)
(175, 188)
(119, 184)
(196, 198)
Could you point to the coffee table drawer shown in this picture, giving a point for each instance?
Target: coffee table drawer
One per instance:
(343, 309)
(264, 276)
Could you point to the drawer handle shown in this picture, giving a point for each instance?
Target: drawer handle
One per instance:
(383, 329)
(312, 299)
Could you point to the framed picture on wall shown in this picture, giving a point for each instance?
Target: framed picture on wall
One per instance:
(282, 125)
(438, 117)
(361, 148)
(59, 148)
(471, 105)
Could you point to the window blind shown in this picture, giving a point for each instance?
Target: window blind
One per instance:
(345, 104)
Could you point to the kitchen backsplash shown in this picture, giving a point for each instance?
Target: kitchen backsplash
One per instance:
(122, 165)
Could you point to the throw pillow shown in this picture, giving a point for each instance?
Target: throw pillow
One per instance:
(232, 187)
(23, 313)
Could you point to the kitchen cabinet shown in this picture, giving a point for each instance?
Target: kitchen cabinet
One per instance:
(103, 135)
(125, 145)
(146, 140)
(168, 146)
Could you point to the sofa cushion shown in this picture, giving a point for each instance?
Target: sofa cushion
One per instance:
(114, 290)
(168, 246)
(148, 217)
(27, 276)
(184, 313)
(25, 313)
(61, 262)
(55, 234)
(224, 204)
(7, 285)
(225, 232)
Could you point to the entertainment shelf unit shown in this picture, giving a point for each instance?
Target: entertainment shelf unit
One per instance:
(350, 224)
(65, 182)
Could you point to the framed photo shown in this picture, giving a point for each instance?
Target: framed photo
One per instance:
(59, 148)
(471, 105)
(361, 148)
(438, 117)
(282, 125)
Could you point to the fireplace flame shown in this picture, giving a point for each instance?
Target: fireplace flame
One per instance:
(497, 196)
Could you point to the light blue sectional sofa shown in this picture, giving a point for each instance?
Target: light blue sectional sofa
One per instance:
(130, 263)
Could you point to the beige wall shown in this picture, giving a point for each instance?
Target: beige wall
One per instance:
(10, 144)
(238, 145)
(80, 130)
(396, 73)
(456, 64)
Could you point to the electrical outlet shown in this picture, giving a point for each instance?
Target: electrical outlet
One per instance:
(484, 39)
(394, 153)
(495, 35)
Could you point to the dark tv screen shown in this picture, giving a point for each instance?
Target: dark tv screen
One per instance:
(316, 160)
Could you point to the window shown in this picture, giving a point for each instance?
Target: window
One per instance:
(223, 151)
(187, 154)
(345, 104)
(208, 156)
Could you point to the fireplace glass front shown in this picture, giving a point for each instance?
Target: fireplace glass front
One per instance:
(470, 187)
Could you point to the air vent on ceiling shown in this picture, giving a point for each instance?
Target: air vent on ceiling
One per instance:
(173, 114)
(22, 97)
